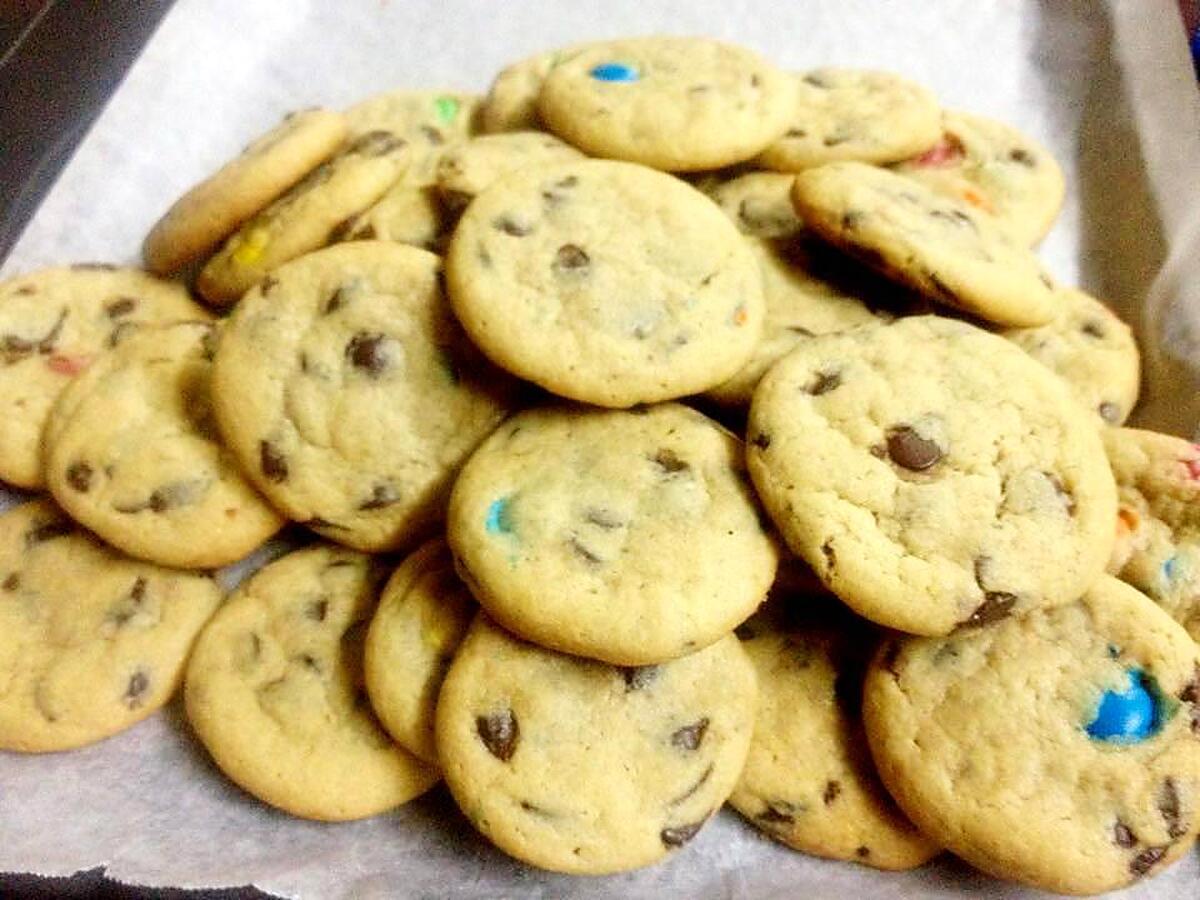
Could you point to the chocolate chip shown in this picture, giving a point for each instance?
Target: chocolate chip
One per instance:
(270, 282)
(317, 610)
(79, 476)
(796, 133)
(862, 852)
(47, 531)
(690, 737)
(583, 551)
(679, 835)
(337, 299)
(499, 732)
(1168, 805)
(432, 135)
(1022, 156)
(1122, 836)
(368, 351)
(381, 495)
(1068, 499)
(851, 219)
(1191, 691)
(137, 593)
(25, 290)
(638, 677)
(830, 555)
(762, 440)
(816, 80)
(602, 518)
(823, 383)
(510, 226)
(778, 813)
(168, 496)
(366, 233)
(571, 258)
(835, 140)
(955, 217)
(911, 451)
(669, 461)
(135, 690)
(309, 662)
(1045, 280)
(996, 605)
(377, 143)
(1110, 412)
(1093, 328)
(122, 306)
(208, 343)
(1145, 861)
(127, 607)
(272, 461)
(121, 331)
(12, 582)
(832, 790)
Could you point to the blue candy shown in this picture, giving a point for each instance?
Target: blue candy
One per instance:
(1128, 717)
(615, 71)
(1169, 569)
(499, 518)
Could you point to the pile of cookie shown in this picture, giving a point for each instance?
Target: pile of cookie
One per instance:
(516, 338)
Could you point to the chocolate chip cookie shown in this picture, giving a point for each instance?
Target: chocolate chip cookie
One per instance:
(91, 642)
(605, 282)
(1060, 748)
(577, 766)
(54, 323)
(936, 244)
(673, 103)
(274, 690)
(349, 394)
(213, 209)
(934, 475)
(470, 167)
(423, 614)
(641, 520)
(132, 452)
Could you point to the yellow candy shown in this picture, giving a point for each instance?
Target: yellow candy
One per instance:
(251, 248)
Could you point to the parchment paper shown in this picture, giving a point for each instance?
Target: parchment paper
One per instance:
(1108, 87)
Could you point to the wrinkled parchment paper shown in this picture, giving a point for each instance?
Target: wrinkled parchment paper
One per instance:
(1108, 87)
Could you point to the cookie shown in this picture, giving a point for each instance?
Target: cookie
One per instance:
(605, 282)
(1158, 519)
(212, 210)
(581, 767)
(932, 474)
(673, 103)
(1060, 748)
(854, 114)
(511, 101)
(91, 642)
(53, 324)
(132, 453)
(996, 169)
(274, 691)
(641, 520)
(809, 781)
(349, 394)
(423, 614)
(933, 243)
(759, 203)
(409, 213)
(809, 290)
(470, 167)
(1090, 348)
(306, 217)
(428, 121)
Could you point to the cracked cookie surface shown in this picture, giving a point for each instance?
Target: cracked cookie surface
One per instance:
(932, 474)
(132, 452)
(854, 114)
(307, 216)
(936, 244)
(350, 395)
(91, 641)
(990, 740)
(423, 614)
(809, 781)
(582, 767)
(274, 690)
(995, 169)
(641, 520)
(1158, 519)
(53, 324)
(605, 282)
(1090, 348)
(677, 104)
(210, 211)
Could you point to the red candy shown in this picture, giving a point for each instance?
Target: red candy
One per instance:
(945, 152)
(68, 365)
(1192, 466)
